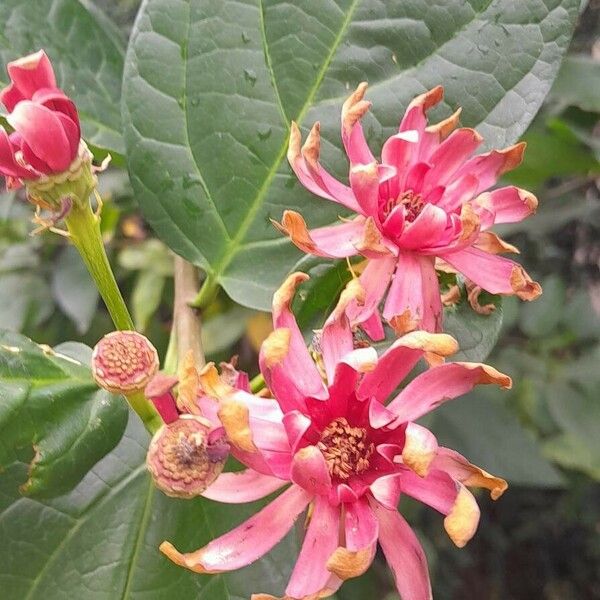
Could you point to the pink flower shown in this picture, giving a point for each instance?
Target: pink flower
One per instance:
(347, 455)
(46, 127)
(425, 200)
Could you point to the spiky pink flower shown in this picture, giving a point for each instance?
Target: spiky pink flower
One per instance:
(345, 454)
(425, 199)
(46, 137)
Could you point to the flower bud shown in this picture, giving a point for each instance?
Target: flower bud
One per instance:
(124, 362)
(184, 457)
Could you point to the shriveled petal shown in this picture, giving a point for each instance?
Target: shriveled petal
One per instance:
(399, 359)
(304, 163)
(284, 358)
(420, 449)
(28, 74)
(452, 499)
(346, 564)
(242, 486)
(353, 110)
(310, 471)
(413, 300)
(310, 574)
(334, 241)
(510, 204)
(458, 467)
(373, 244)
(491, 243)
(487, 168)
(404, 554)
(495, 274)
(44, 133)
(247, 542)
(440, 384)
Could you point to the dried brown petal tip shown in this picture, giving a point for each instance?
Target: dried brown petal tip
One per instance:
(183, 459)
(124, 362)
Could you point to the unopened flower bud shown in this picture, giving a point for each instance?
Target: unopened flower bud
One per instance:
(123, 362)
(184, 458)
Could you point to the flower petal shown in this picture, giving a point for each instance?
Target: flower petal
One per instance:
(404, 554)
(459, 468)
(305, 164)
(414, 301)
(242, 486)
(415, 116)
(400, 358)
(247, 542)
(494, 274)
(310, 574)
(440, 384)
(353, 110)
(9, 167)
(360, 525)
(334, 241)
(510, 204)
(420, 448)
(28, 74)
(310, 471)
(426, 230)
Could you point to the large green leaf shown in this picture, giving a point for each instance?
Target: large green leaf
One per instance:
(211, 86)
(87, 58)
(49, 400)
(101, 541)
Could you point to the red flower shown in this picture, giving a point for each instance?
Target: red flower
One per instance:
(46, 127)
(426, 199)
(347, 455)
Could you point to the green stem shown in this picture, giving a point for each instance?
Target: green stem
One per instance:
(207, 293)
(257, 384)
(145, 411)
(84, 230)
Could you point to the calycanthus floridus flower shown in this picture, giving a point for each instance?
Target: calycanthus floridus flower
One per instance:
(425, 200)
(344, 452)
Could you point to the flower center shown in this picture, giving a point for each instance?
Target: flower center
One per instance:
(412, 202)
(346, 449)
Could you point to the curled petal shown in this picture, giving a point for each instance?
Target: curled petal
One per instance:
(353, 110)
(399, 359)
(416, 113)
(459, 468)
(445, 127)
(28, 74)
(510, 204)
(310, 574)
(440, 384)
(235, 418)
(462, 521)
(335, 241)
(387, 489)
(309, 471)
(372, 243)
(494, 274)
(242, 486)
(346, 564)
(426, 230)
(489, 242)
(247, 542)
(420, 448)
(404, 554)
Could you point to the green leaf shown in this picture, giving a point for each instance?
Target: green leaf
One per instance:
(101, 541)
(73, 288)
(476, 334)
(210, 88)
(540, 318)
(146, 297)
(50, 401)
(87, 59)
(25, 299)
(480, 427)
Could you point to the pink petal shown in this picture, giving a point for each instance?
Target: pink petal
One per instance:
(284, 358)
(373, 327)
(399, 359)
(416, 113)
(353, 109)
(493, 273)
(457, 193)
(404, 554)
(44, 133)
(310, 575)
(450, 155)
(310, 471)
(361, 526)
(364, 180)
(297, 426)
(511, 204)
(379, 415)
(9, 167)
(426, 230)
(413, 301)
(28, 74)
(440, 384)
(387, 489)
(56, 100)
(247, 542)
(375, 280)
(242, 486)
(398, 151)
